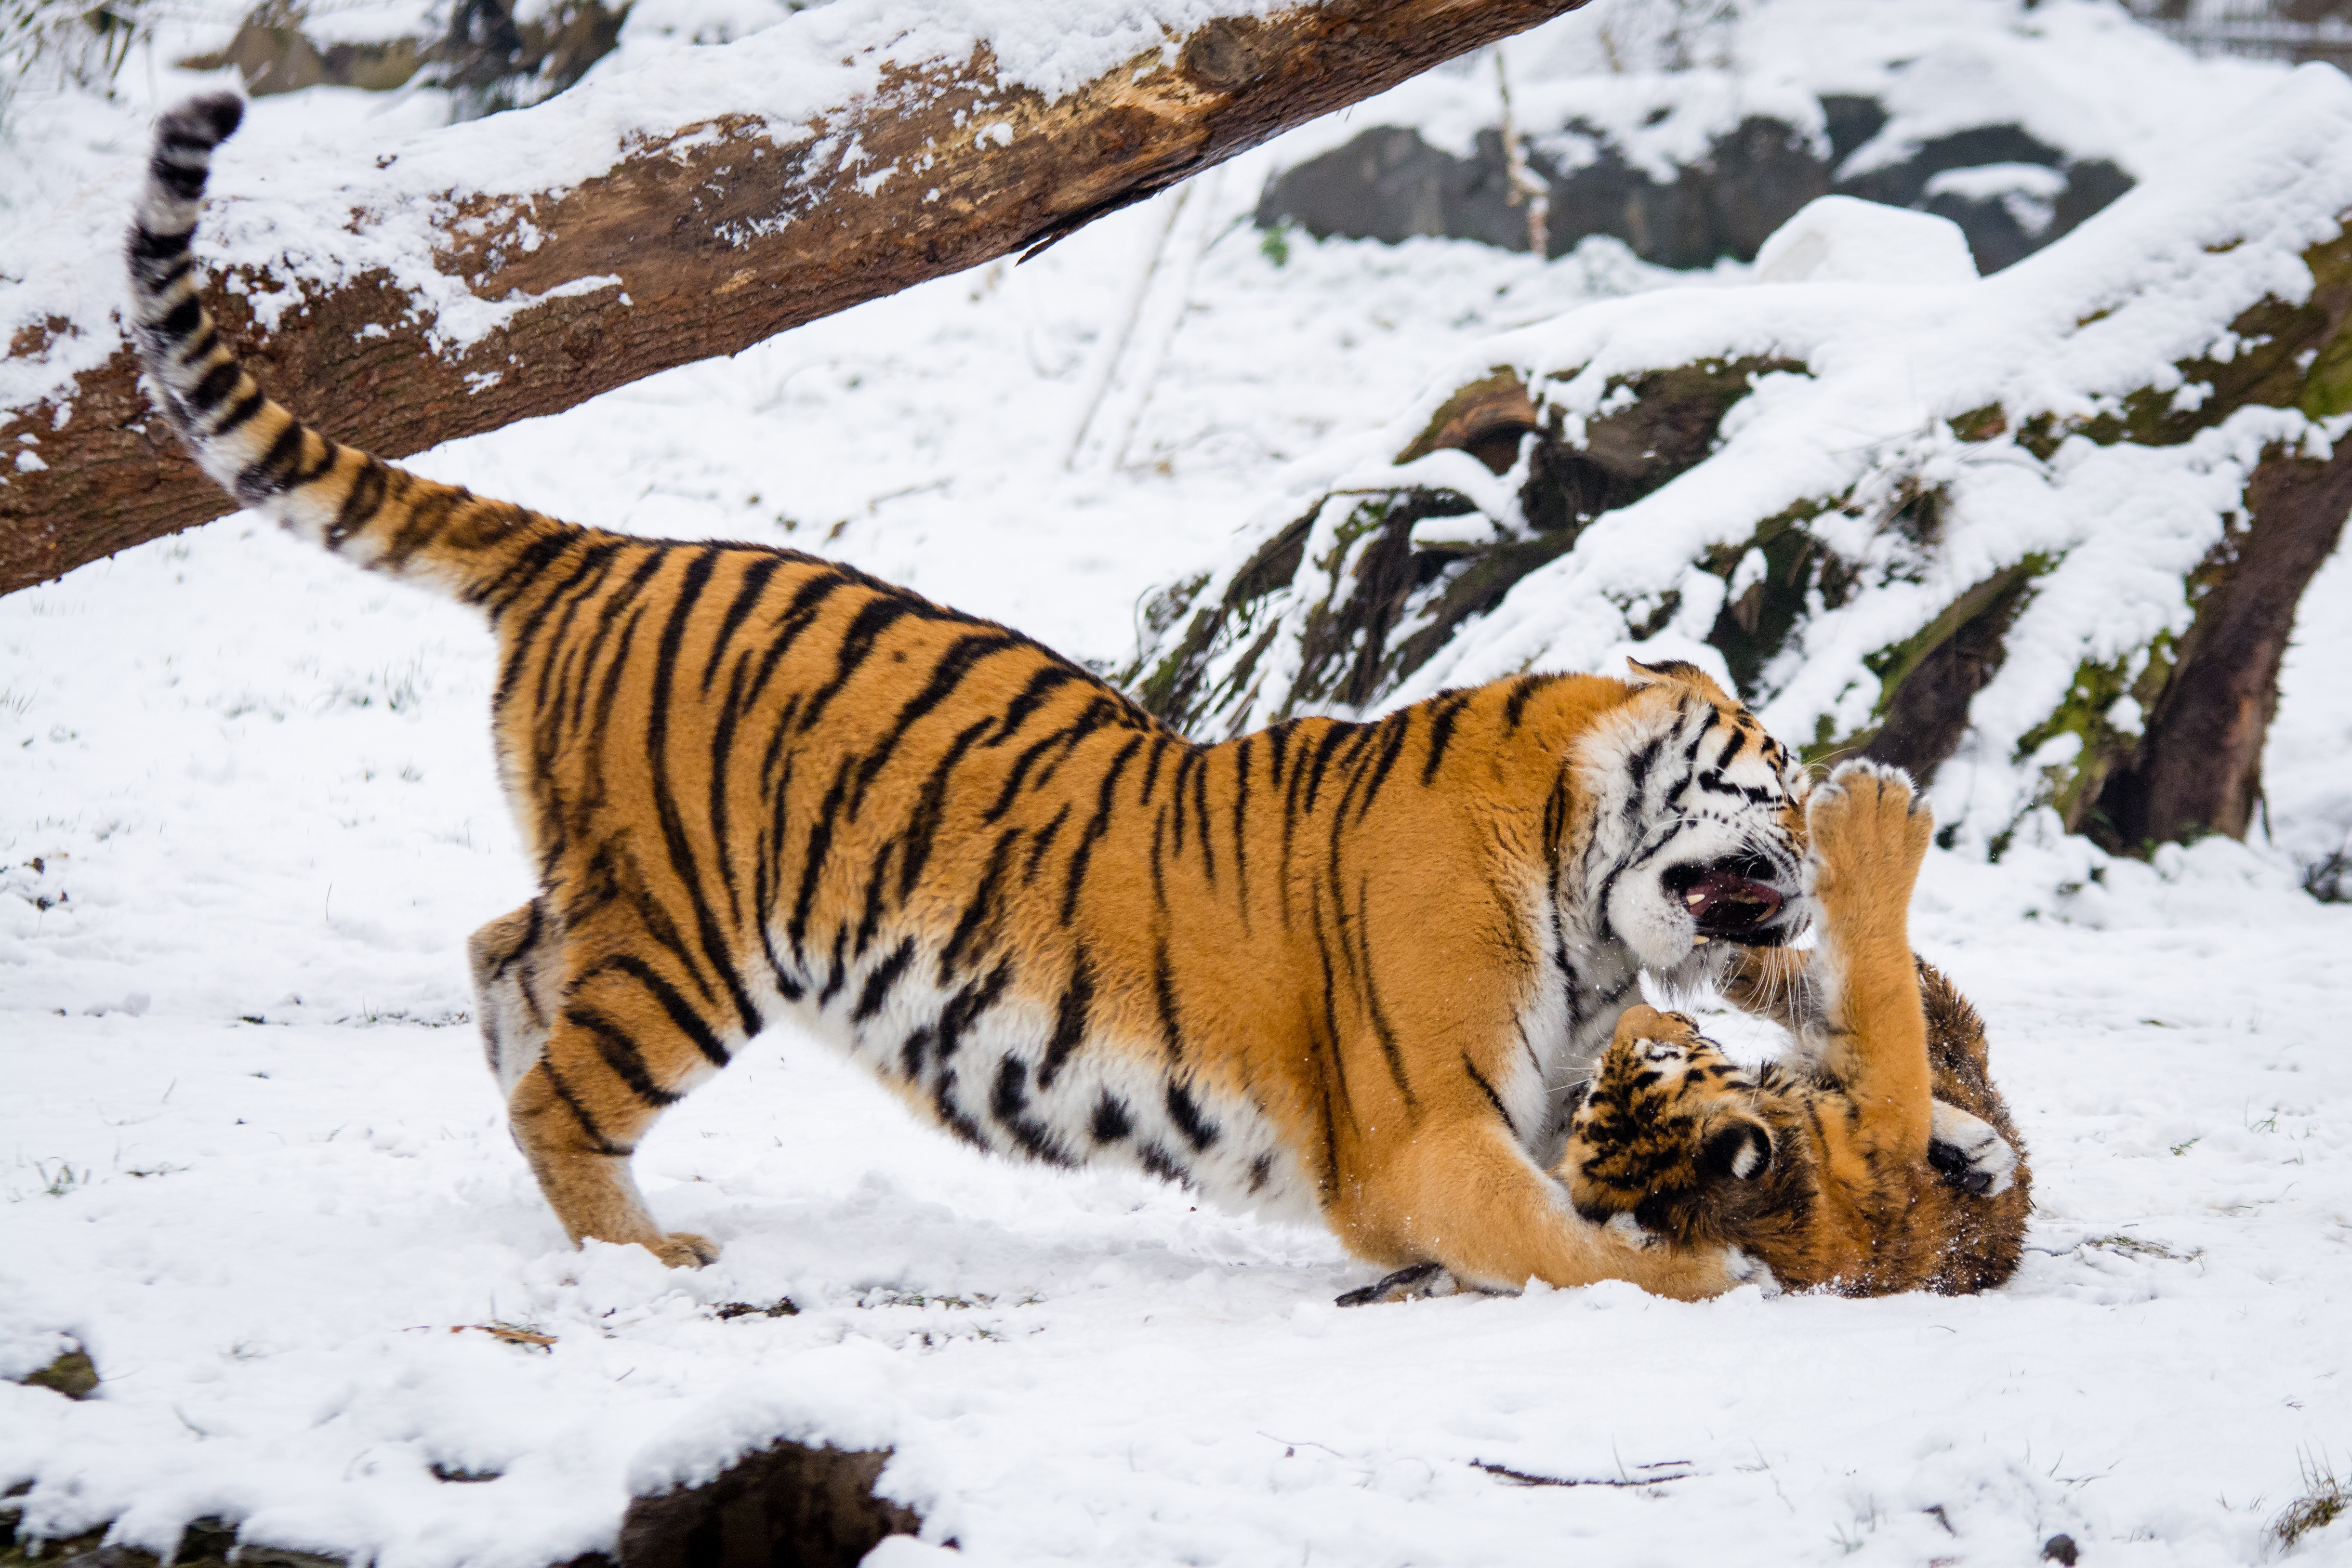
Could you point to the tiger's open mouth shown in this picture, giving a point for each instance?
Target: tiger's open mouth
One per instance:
(1724, 901)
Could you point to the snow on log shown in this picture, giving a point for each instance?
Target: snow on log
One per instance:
(2039, 535)
(516, 266)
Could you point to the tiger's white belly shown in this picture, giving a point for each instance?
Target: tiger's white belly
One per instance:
(981, 1063)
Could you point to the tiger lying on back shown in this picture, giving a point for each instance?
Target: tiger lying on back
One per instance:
(1832, 1166)
(1331, 970)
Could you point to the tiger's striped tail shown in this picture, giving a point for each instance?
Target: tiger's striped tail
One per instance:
(254, 448)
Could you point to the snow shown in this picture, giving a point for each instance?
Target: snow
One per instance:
(1838, 239)
(240, 782)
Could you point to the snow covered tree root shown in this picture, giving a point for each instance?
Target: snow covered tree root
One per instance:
(2038, 537)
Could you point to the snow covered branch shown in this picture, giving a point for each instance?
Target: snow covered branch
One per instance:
(2052, 524)
(516, 266)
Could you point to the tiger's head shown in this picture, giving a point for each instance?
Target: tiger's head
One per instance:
(1693, 826)
(1670, 1133)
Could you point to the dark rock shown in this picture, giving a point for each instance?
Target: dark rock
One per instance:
(73, 1375)
(1905, 184)
(2061, 1550)
(487, 59)
(1996, 237)
(1851, 121)
(2090, 185)
(788, 1506)
(1755, 180)
(276, 58)
(490, 62)
(1389, 185)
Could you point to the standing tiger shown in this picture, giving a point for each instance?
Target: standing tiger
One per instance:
(1343, 971)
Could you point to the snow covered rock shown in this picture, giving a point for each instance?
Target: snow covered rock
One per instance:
(1691, 133)
(1906, 510)
(1839, 239)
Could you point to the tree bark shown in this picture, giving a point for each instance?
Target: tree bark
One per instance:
(2198, 768)
(713, 237)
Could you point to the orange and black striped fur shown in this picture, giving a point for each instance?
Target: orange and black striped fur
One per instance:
(1879, 1157)
(1340, 971)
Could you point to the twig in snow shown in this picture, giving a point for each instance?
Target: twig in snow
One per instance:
(1525, 1479)
(1134, 314)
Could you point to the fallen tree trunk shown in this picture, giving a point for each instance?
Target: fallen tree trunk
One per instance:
(2055, 523)
(445, 305)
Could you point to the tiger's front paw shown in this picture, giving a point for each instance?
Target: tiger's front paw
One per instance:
(1688, 1274)
(1869, 830)
(1413, 1282)
(1968, 1152)
(684, 1249)
(1654, 1036)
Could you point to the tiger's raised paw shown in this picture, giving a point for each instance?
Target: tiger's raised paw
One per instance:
(1968, 1152)
(1869, 830)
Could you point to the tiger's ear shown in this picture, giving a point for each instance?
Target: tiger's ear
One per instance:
(1737, 1148)
(1677, 672)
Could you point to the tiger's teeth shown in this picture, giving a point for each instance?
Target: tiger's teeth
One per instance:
(1693, 898)
(1701, 941)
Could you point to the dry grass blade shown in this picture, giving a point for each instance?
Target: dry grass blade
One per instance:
(2325, 1500)
(510, 1333)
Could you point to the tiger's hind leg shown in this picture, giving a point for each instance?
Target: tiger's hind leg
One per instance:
(624, 1042)
(1972, 1153)
(516, 961)
(1968, 1152)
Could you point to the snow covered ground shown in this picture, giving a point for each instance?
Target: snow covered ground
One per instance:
(253, 1162)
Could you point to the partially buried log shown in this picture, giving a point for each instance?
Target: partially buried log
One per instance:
(787, 1506)
(790, 1505)
(696, 241)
